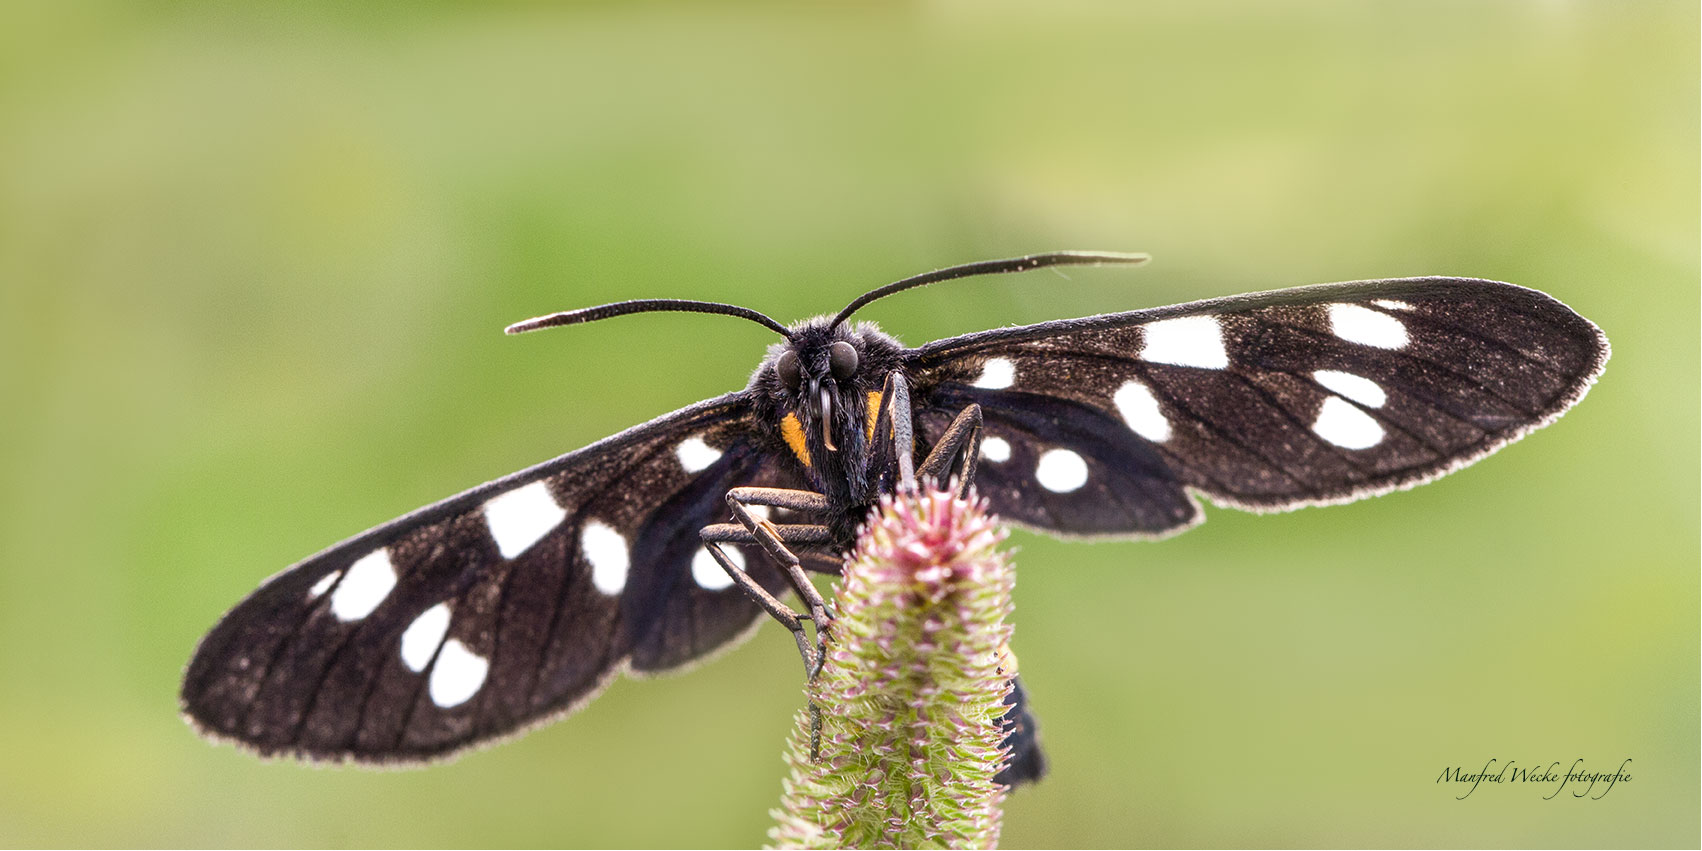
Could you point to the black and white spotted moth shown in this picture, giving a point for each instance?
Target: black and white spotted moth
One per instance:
(516, 602)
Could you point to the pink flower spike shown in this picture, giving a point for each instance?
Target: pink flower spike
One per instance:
(911, 695)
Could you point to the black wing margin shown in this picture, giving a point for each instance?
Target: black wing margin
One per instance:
(1265, 402)
(503, 607)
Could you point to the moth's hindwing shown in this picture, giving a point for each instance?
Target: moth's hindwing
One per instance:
(507, 605)
(1309, 396)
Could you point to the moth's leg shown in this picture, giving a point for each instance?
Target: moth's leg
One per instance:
(775, 540)
(788, 498)
(713, 538)
(895, 403)
(814, 657)
(963, 437)
(736, 533)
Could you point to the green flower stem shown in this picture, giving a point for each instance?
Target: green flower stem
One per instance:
(912, 690)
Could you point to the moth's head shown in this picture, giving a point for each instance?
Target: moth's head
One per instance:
(819, 356)
(826, 378)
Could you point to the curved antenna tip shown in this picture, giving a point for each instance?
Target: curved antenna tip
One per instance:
(525, 325)
(1120, 256)
(994, 267)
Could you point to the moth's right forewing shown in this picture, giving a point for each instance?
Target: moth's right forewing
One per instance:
(1266, 402)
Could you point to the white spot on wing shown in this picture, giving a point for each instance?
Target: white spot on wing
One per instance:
(1391, 304)
(695, 455)
(517, 519)
(1367, 327)
(1346, 426)
(997, 374)
(707, 572)
(421, 638)
(367, 584)
(1140, 410)
(1356, 387)
(1061, 471)
(995, 449)
(458, 674)
(324, 584)
(1188, 341)
(606, 550)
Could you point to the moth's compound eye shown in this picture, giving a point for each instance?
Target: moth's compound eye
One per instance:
(787, 366)
(842, 360)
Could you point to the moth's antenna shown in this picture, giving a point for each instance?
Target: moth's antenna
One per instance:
(648, 305)
(992, 267)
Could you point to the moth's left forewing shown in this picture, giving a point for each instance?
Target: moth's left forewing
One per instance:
(502, 607)
(1266, 402)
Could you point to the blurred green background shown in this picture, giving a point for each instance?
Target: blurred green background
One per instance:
(254, 263)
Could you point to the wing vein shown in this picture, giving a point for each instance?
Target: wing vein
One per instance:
(319, 682)
(1436, 365)
(1301, 426)
(1251, 451)
(1468, 332)
(1382, 418)
(283, 643)
(420, 683)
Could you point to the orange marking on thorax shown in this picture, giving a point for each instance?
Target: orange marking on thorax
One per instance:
(793, 432)
(873, 412)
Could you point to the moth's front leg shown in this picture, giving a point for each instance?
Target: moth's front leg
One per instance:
(962, 437)
(777, 540)
(779, 611)
(895, 414)
(774, 540)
